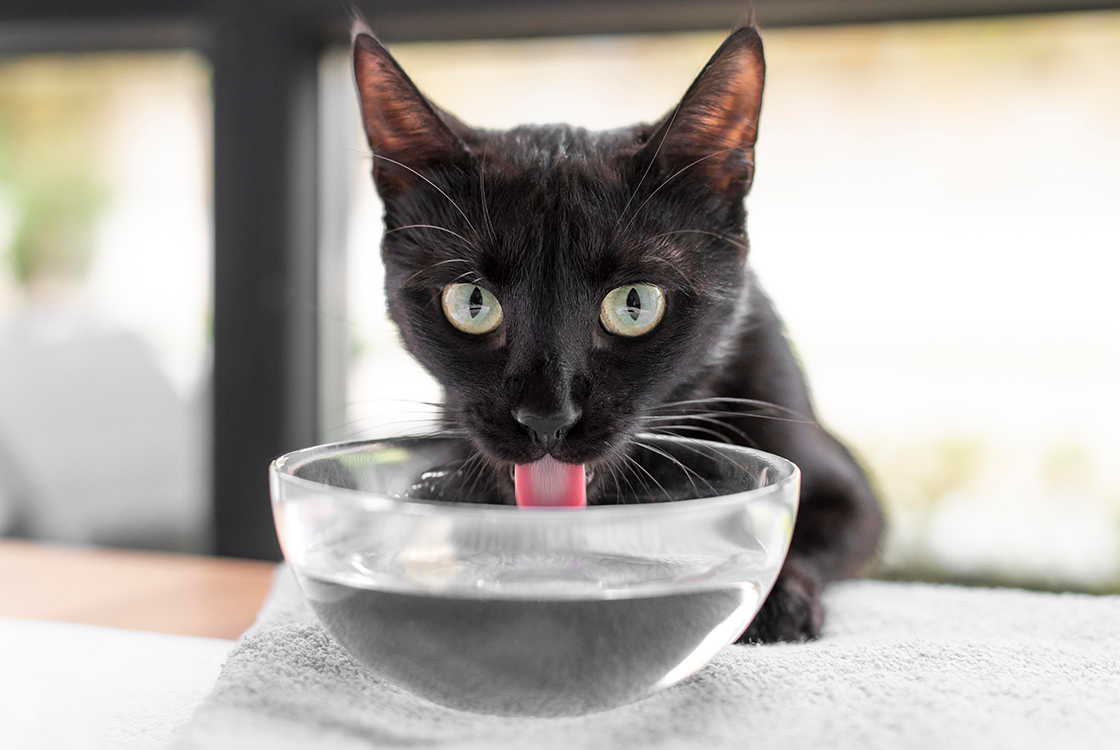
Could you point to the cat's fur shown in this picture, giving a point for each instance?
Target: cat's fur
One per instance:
(550, 219)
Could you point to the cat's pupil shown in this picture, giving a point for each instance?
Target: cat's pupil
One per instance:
(475, 304)
(633, 304)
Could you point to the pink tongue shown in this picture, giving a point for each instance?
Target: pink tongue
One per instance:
(549, 483)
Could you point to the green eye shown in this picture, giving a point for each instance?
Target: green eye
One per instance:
(632, 310)
(471, 308)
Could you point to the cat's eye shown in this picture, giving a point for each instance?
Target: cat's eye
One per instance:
(632, 310)
(471, 309)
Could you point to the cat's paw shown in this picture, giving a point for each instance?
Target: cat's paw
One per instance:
(792, 612)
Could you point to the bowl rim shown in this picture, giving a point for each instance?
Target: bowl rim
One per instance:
(372, 501)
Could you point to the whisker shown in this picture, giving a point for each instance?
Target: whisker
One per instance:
(720, 399)
(688, 472)
(364, 433)
(660, 486)
(437, 187)
(708, 419)
(733, 240)
(771, 417)
(435, 411)
(676, 429)
(713, 453)
(462, 465)
(432, 226)
(380, 425)
(628, 463)
(652, 161)
(667, 180)
(728, 400)
(427, 269)
(482, 465)
(465, 468)
(413, 415)
(668, 430)
(612, 466)
(441, 405)
(731, 414)
(675, 268)
(477, 277)
(482, 190)
(615, 466)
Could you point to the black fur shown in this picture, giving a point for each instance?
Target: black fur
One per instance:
(552, 218)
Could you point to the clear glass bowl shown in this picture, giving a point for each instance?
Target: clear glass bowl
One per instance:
(534, 611)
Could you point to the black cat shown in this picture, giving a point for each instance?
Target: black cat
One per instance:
(570, 289)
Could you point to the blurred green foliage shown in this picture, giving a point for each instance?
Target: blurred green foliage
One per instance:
(919, 474)
(50, 119)
(1067, 467)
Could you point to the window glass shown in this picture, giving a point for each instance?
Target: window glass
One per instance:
(105, 298)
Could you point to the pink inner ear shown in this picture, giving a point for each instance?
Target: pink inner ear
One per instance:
(731, 120)
(401, 126)
(715, 127)
(722, 113)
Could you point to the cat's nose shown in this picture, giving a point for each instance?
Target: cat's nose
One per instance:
(547, 431)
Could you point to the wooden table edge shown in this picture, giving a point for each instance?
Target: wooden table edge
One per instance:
(158, 592)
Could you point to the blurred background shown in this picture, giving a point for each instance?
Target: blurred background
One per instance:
(190, 281)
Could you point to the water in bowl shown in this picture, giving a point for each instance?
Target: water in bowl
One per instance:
(529, 634)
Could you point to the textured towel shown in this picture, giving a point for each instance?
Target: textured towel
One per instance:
(898, 666)
(83, 687)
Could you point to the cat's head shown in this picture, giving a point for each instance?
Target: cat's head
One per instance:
(560, 283)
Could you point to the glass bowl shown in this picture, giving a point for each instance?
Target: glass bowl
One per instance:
(504, 610)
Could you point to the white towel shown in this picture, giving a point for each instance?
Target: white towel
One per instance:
(81, 687)
(899, 665)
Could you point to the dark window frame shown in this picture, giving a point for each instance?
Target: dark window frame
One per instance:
(264, 56)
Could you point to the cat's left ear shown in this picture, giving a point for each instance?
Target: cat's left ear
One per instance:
(407, 133)
(712, 131)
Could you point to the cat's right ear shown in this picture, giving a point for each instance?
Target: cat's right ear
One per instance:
(406, 134)
(712, 132)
